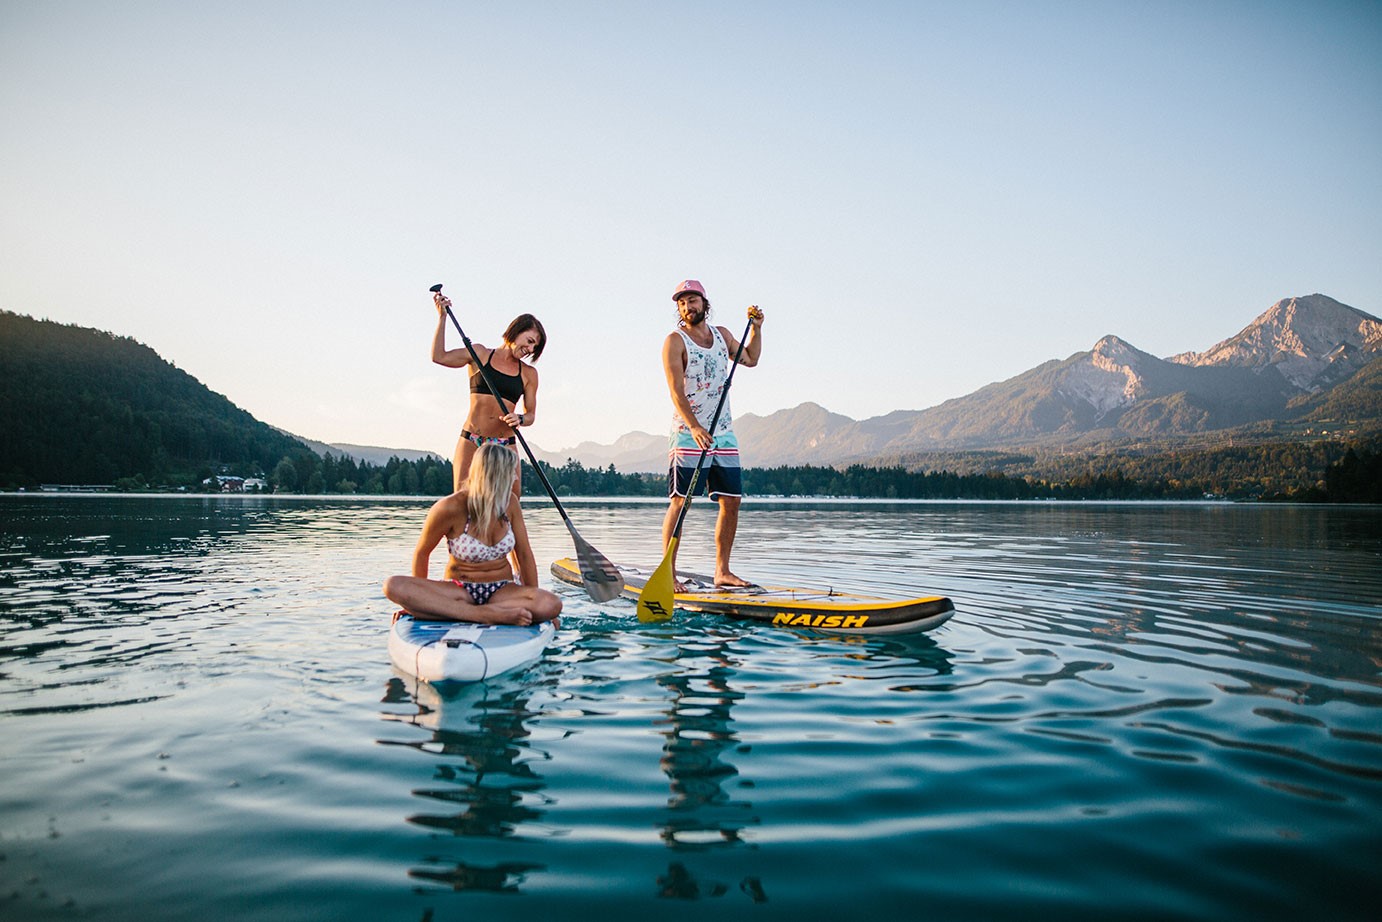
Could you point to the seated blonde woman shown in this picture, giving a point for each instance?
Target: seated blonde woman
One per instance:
(482, 524)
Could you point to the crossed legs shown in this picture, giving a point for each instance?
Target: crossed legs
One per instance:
(445, 601)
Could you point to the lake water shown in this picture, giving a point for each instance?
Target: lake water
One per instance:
(1138, 711)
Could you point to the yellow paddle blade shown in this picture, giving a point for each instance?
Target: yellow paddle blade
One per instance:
(655, 601)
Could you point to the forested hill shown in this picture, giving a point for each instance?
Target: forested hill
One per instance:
(81, 406)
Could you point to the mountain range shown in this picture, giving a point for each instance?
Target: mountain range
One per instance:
(82, 406)
(370, 454)
(1308, 366)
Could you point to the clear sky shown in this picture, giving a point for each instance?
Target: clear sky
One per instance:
(923, 197)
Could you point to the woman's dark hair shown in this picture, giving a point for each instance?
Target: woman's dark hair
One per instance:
(522, 324)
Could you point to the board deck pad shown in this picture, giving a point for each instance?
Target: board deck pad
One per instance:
(798, 607)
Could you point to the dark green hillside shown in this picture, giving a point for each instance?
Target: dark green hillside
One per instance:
(81, 406)
(1357, 401)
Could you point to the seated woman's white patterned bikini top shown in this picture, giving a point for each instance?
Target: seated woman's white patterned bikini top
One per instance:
(467, 548)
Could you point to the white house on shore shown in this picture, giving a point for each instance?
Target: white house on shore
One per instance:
(231, 484)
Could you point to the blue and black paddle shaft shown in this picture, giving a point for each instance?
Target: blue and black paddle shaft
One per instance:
(599, 576)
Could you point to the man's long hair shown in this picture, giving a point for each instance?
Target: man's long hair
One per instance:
(681, 322)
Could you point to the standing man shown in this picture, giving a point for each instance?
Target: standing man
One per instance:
(696, 358)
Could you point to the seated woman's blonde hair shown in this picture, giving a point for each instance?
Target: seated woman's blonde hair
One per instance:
(489, 485)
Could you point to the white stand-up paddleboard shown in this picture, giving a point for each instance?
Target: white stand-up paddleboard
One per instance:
(462, 651)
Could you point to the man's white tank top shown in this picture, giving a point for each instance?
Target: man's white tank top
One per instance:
(706, 371)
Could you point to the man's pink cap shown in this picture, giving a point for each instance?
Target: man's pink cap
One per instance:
(689, 287)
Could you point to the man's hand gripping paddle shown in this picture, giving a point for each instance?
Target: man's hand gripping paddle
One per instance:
(600, 577)
(655, 601)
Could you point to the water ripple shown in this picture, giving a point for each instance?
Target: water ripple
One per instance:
(1184, 700)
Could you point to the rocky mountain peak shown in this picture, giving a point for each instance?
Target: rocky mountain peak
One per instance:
(1111, 351)
(1111, 378)
(1313, 341)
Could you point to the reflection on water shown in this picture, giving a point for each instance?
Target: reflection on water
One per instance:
(699, 735)
(486, 772)
(198, 717)
(679, 884)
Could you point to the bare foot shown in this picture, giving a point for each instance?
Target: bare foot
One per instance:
(728, 580)
(520, 616)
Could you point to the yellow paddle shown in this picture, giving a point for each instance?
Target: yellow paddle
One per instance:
(655, 601)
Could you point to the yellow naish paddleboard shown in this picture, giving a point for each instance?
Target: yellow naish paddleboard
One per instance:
(788, 606)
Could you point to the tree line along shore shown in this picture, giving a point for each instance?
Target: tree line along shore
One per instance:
(1315, 472)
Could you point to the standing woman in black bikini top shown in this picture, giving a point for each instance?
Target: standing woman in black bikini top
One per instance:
(515, 378)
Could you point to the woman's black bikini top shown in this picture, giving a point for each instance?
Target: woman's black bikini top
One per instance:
(510, 386)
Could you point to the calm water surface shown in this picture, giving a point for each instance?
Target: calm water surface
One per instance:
(1138, 711)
